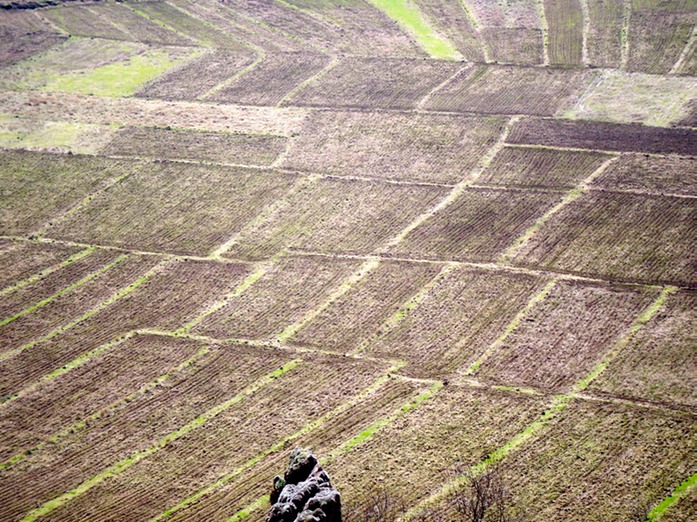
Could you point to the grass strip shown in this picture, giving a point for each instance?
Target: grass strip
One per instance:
(91, 418)
(276, 447)
(458, 189)
(675, 496)
(252, 278)
(363, 270)
(371, 430)
(121, 466)
(101, 306)
(570, 197)
(347, 446)
(64, 291)
(47, 271)
(288, 97)
(405, 309)
(556, 407)
(624, 34)
(515, 322)
(414, 22)
(301, 184)
(65, 368)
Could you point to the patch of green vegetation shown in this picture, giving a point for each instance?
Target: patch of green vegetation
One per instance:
(115, 79)
(79, 138)
(411, 19)
(636, 98)
(674, 497)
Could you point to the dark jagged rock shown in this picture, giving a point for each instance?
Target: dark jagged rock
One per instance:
(305, 493)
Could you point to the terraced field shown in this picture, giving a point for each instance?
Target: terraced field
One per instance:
(423, 237)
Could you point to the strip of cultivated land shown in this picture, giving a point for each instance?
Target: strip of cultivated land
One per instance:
(420, 237)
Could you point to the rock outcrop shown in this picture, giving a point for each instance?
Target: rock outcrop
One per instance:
(305, 493)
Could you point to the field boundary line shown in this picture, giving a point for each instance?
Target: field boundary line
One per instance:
(194, 41)
(420, 105)
(562, 275)
(585, 11)
(335, 60)
(122, 465)
(349, 444)
(81, 203)
(67, 242)
(514, 249)
(308, 428)
(46, 271)
(675, 496)
(544, 29)
(303, 182)
(261, 56)
(205, 22)
(461, 379)
(536, 298)
(278, 161)
(640, 192)
(368, 266)
(50, 23)
(98, 308)
(457, 190)
(555, 408)
(476, 26)
(65, 432)
(405, 308)
(259, 272)
(64, 291)
(689, 46)
(109, 21)
(65, 368)
(663, 407)
(624, 34)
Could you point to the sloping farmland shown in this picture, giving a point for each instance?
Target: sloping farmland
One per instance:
(423, 148)
(176, 192)
(435, 241)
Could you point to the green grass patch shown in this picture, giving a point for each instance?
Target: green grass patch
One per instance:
(116, 79)
(674, 497)
(415, 22)
(635, 98)
(79, 138)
